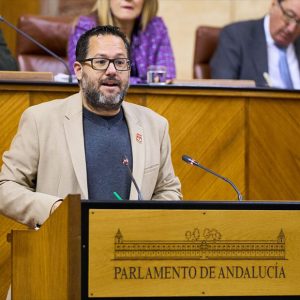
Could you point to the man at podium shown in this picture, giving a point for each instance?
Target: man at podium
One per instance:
(92, 143)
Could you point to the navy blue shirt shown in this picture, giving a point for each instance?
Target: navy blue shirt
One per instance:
(106, 141)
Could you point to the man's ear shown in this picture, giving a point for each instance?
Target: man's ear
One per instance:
(78, 70)
(272, 6)
(273, 3)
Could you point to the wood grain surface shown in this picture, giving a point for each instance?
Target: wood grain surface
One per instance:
(248, 136)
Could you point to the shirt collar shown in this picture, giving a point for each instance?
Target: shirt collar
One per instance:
(269, 38)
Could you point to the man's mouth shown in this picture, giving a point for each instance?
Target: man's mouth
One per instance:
(110, 83)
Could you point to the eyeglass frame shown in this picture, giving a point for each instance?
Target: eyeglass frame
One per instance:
(109, 62)
(288, 18)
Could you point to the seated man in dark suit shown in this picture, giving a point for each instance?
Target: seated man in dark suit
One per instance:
(7, 62)
(265, 50)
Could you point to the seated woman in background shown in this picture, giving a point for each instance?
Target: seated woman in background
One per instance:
(147, 33)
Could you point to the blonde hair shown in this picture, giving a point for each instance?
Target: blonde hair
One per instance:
(105, 17)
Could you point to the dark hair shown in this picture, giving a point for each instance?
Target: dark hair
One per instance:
(83, 42)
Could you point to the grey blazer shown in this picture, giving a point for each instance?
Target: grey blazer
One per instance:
(242, 52)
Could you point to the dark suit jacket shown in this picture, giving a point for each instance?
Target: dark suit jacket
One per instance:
(242, 52)
(7, 62)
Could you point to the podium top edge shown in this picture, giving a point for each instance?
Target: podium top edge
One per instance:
(190, 205)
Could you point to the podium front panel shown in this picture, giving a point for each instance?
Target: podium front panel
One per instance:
(190, 249)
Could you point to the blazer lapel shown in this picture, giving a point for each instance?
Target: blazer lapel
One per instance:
(138, 148)
(74, 135)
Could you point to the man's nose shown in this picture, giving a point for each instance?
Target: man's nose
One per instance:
(111, 68)
(292, 27)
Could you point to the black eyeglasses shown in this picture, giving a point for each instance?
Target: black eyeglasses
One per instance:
(101, 64)
(289, 17)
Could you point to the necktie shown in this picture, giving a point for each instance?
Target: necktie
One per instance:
(284, 69)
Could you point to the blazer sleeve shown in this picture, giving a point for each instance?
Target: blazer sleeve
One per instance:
(225, 63)
(168, 186)
(18, 198)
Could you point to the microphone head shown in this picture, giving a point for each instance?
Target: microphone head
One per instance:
(187, 159)
(193, 162)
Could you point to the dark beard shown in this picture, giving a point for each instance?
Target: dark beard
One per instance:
(99, 101)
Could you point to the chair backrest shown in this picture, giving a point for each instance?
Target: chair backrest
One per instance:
(51, 32)
(205, 45)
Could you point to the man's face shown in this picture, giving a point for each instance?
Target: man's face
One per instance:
(103, 90)
(283, 27)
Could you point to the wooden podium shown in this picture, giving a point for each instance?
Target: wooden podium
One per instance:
(154, 249)
(46, 262)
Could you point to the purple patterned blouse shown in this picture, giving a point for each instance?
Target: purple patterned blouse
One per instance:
(149, 47)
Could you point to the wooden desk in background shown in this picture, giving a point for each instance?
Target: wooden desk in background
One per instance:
(249, 136)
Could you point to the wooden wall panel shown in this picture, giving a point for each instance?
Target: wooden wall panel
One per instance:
(213, 133)
(11, 107)
(40, 97)
(248, 136)
(274, 149)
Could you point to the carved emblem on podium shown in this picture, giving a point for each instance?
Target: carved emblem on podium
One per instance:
(195, 245)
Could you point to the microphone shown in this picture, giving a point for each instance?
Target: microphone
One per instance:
(125, 163)
(27, 36)
(193, 162)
